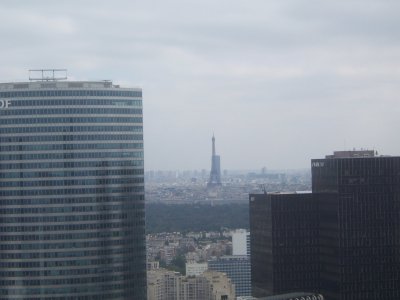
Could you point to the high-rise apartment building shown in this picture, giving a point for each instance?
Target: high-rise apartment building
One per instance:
(354, 212)
(71, 191)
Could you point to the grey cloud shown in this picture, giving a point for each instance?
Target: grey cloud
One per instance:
(278, 81)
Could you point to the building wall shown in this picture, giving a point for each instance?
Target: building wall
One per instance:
(195, 288)
(344, 237)
(360, 226)
(262, 266)
(71, 191)
(222, 287)
(169, 285)
(163, 284)
(285, 243)
(239, 242)
(195, 269)
(237, 268)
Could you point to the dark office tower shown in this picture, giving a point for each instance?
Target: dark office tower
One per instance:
(71, 191)
(284, 243)
(215, 174)
(359, 196)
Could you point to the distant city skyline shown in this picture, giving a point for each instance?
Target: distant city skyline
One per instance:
(279, 82)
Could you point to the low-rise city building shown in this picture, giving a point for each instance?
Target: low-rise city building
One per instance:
(194, 269)
(169, 285)
(240, 242)
(237, 268)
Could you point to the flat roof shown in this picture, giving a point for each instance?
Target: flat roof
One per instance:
(65, 84)
(352, 153)
(291, 296)
(289, 193)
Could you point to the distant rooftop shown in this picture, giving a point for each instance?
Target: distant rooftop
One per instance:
(289, 193)
(353, 153)
(60, 85)
(37, 85)
(294, 296)
(54, 79)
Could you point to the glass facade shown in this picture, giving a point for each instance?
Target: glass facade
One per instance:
(284, 243)
(342, 240)
(359, 226)
(71, 191)
(237, 268)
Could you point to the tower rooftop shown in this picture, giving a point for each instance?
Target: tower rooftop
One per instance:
(38, 85)
(352, 154)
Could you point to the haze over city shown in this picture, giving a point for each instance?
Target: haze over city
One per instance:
(277, 82)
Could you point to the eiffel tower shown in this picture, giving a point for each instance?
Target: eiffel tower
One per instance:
(215, 174)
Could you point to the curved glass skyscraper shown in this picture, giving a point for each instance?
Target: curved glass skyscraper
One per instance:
(71, 191)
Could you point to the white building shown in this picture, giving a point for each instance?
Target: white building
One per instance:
(194, 269)
(240, 242)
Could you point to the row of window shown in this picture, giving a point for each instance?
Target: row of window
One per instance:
(71, 93)
(64, 281)
(64, 182)
(74, 245)
(69, 227)
(66, 236)
(64, 254)
(72, 120)
(65, 218)
(72, 272)
(72, 128)
(113, 291)
(36, 156)
(44, 174)
(68, 138)
(73, 164)
(65, 263)
(84, 289)
(130, 189)
(132, 199)
(54, 147)
(74, 102)
(71, 111)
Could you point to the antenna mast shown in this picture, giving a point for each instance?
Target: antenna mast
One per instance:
(47, 74)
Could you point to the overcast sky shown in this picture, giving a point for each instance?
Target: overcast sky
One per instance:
(278, 82)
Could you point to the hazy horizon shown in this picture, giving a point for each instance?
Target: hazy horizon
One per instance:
(279, 83)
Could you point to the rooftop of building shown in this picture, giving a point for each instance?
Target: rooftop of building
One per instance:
(229, 257)
(58, 84)
(353, 153)
(289, 193)
(294, 296)
(55, 79)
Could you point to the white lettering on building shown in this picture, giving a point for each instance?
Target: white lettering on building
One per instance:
(5, 103)
(318, 164)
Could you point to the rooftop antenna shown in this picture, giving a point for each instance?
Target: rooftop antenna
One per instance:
(47, 74)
